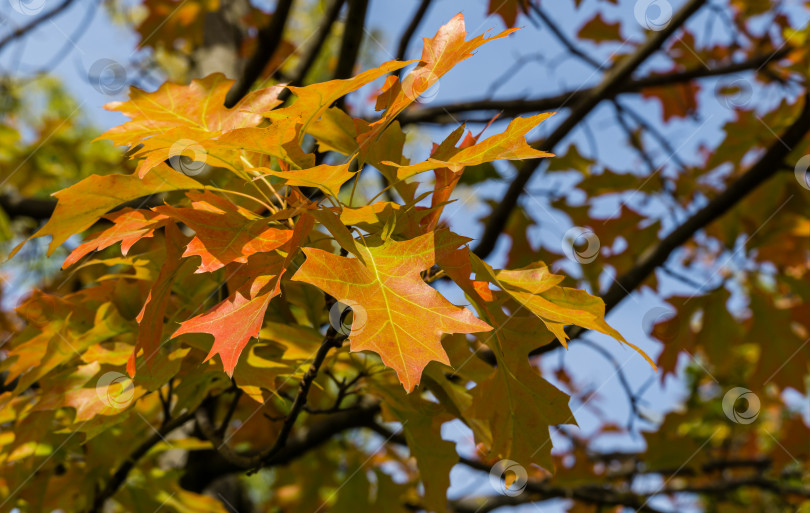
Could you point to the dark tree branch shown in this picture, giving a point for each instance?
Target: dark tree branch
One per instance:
(609, 87)
(609, 496)
(21, 31)
(767, 166)
(257, 460)
(120, 475)
(205, 466)
(314, 49)
(405, 40)
(353, 32)
(441, 113)
(536, 490)
(35, 208)
(42, 209)
(270, 38)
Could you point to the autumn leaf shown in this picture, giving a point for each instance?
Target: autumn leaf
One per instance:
(509, 145)
(325, 177)
(439, 54)
(150, 318)
(258, 146)
(397, 315)
(508, 10)
(598, 30)
(313, 100)
(129, 226)
(421, 424)
(537, 290)
(168, 20)
(234, 321)
(83, 204)
(223, 233)
(178, 113)
(678, 101)
(515, 401)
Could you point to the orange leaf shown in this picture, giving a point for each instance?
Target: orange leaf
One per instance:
(511, 145)
(185, 115)
(150, 319)
(81, 205)
(396, 314)
(224, 235)
(327, 178)
(237, 319)
(439, 54)
(129, 226)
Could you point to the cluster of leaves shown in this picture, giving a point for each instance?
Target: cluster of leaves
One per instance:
(243, 267)
(317, 298)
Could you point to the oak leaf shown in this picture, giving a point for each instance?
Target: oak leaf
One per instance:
(224, 233)
(193, 112)
(510, 145)
(83, 204)
(129, 226)
(396, 314)
(238, 318)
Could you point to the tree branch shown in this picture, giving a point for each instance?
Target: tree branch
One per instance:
(562, 38)
(609, 87)
(767, 166)
(510, 107)
(405, 40)
(353, 32)
(257, 460)
(120, 475)
(21, 31)
(270, 38)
